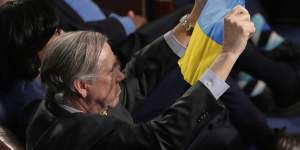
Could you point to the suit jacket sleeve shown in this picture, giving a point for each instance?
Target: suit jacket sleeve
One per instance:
(144, 71)
(173, 128)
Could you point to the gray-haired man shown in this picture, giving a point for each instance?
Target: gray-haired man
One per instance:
(83, 81)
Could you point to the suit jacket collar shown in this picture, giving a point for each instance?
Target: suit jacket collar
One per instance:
(51, 122)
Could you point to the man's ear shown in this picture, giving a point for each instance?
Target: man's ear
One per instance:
(80, 87)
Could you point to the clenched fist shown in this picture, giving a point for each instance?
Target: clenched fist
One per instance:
(237, 30)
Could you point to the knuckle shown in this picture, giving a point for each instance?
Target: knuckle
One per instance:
(247, 12)
(241, 9)
(248, 16)
(242, 28)
(252, 24)
(237, 24)
(238, 7)
(227, 19)
(244, 10)
(253, 29)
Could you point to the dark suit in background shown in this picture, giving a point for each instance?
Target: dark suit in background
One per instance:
(124, 46)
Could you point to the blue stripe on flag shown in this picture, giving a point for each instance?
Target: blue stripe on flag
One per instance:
(211, 19)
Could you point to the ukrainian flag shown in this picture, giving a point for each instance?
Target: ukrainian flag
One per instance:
(207, 38)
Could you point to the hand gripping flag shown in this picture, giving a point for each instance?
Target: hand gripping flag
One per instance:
(207, 38)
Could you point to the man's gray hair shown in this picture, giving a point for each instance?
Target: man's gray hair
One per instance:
(72, 56)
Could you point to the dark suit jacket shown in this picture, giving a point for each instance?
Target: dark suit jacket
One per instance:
(54, 128)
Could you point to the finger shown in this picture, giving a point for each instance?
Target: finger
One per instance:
(236, 11)
(131, 13)
(239, 10)
(244, 17)
(252, 28)
(248, 28)
(240, 16)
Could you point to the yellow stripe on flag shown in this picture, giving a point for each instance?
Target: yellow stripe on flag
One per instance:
(200, 53)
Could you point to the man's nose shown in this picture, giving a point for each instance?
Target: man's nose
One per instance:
(120, 76)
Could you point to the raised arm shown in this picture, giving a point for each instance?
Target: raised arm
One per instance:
(197, 106)
(237, 30)
(149, 65)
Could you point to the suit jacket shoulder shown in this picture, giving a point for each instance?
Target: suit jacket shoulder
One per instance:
(54, 128)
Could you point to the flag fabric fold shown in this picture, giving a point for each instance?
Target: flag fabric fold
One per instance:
(207, 38)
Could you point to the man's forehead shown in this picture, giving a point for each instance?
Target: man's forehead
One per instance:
(106, 52)
(107, 57)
